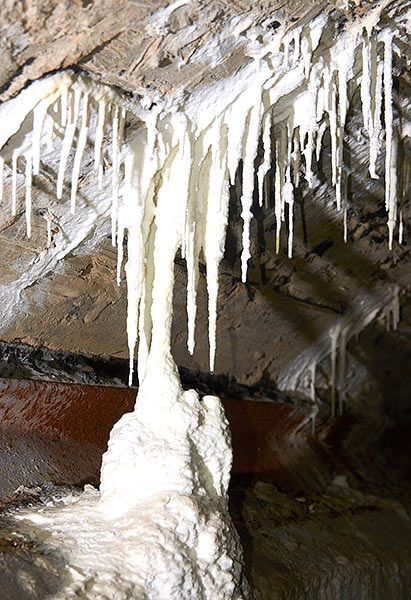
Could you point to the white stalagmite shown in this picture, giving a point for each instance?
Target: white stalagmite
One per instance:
(49, 219)
(334, 338)
(342, 368)
(313, 369)
(165, 475)
(396, 307)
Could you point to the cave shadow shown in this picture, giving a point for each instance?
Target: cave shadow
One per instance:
(329, 252)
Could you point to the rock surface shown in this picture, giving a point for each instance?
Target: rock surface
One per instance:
(304, 536)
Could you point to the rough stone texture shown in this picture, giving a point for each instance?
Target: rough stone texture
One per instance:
(74, 307)
(322, 515)
(114, 41)
(355, 543)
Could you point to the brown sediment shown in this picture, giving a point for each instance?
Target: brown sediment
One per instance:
(57, 432)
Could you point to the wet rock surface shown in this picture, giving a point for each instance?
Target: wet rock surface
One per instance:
(320, 515)
(322, 504)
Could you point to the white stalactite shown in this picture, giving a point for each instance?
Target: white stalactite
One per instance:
(175, 194)
(28, 184)
(14, 184)
(73, 111)
(115, 161)
(266, 164)
(249, 153)
(1, 179)
(81, 144)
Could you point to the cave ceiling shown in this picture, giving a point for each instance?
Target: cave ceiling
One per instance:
(263, 326)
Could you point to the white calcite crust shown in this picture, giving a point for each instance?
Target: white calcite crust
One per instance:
(159, 528)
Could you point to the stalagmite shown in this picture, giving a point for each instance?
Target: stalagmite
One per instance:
(334, 338)
(341, 369)
(345, 236)
(49, 219)
(166, 472)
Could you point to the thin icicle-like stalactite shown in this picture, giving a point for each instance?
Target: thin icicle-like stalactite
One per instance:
(217, 213)
(71, 124)
(332, 115)
(115, 154)
(81, 144)
(39, 114)
(390, 141)
(28, 185)
(133, 265)
(376, 114)
(277, 197)
(249, 153)
(195, 235)
(266, 164)
(14, 184)
(101, 121)
(209, 154)
(170, 191)
(1, 179)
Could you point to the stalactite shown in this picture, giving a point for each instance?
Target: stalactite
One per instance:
(28, 184)
(73, 111)
(1, 179)
(174, 194)
(266, 164)
(81, 144)
(14, 184)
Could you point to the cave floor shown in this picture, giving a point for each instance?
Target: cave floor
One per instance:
(341, 544)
